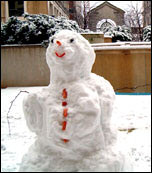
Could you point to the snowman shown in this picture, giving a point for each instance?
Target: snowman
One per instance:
(72, 116)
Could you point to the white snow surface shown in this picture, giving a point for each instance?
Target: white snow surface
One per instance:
(130, 111)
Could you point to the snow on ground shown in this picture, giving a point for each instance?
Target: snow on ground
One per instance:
(132, 115)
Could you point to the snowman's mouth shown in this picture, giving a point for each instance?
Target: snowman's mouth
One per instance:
(60, 55)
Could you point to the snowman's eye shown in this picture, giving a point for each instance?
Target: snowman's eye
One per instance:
(52, 40)
(71, 40)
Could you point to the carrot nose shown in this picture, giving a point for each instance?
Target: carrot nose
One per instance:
(58, 43)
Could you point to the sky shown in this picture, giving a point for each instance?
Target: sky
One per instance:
(124, 5)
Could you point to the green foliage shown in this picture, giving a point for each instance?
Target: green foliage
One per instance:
(34, 29)
(118, 33)
(147, 33)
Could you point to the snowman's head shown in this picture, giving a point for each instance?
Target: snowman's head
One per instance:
(68, 48)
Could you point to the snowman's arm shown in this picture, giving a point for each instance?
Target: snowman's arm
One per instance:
(33, 113)
(107, 98)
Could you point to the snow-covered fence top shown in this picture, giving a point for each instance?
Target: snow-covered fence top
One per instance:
(122, 45)
(137, 45)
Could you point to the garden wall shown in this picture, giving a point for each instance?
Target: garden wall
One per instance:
(94, 37)
(126, 65)
(24, 66)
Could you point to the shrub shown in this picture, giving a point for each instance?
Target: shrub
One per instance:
(34, 29)
(118, 33)
(147, 33)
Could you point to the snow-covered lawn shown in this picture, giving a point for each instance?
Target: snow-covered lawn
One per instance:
(132, 114)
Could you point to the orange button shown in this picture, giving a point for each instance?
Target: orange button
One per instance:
(64, 94)
(65, 112)
(64, 123)
(64, 103)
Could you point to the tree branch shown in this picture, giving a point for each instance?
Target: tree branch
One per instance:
(10, 109)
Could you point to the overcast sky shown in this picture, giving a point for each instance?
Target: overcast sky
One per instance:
(120, 4)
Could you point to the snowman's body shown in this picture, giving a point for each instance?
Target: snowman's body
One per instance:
(71, 117)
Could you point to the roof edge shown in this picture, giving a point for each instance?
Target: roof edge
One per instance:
(108, 3)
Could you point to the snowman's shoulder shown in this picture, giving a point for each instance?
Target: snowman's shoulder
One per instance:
(40, 95)
(103, 86)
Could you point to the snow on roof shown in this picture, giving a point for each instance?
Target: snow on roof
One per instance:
(107, 3)
(107, 36)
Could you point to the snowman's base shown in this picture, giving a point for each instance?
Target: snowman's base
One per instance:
(102, 161)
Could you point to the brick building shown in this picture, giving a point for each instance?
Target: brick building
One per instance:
(105, 14)
(54, 8)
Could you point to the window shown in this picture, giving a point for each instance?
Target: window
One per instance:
(16, 8)
(105, 25)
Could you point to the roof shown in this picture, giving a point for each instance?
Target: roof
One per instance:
(108, 4)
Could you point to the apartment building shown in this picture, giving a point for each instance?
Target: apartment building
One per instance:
(54, 8)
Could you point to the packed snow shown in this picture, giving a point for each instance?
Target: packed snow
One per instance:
(130, 112)
(72, 116)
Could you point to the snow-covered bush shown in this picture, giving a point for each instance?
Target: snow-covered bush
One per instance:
(147, 33)
(34, 29)
(118, 33)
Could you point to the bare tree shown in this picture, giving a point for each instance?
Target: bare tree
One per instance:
(133, 19)
(84, 17)
(146, 13)
(85, 7)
